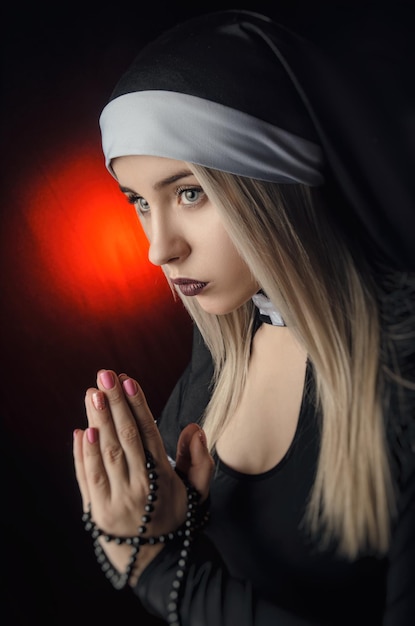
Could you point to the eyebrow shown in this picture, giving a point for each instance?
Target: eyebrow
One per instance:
(165, 182)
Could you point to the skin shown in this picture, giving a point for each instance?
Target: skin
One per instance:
(187, 236)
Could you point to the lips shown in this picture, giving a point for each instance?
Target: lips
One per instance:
(188, 286)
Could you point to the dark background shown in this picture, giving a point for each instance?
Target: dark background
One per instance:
(77, 294)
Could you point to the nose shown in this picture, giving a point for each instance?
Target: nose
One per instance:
(167, 242)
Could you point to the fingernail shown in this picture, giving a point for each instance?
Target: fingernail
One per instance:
(130, 386)
(75, 432)
(107, 379)
(92, 435)
(98, 400)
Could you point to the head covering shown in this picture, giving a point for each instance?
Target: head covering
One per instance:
(210, 92)
(237, 91)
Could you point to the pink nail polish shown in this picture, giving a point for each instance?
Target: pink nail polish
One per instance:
(130, 386)
(98, 400)
(92, 435)
(107, 379)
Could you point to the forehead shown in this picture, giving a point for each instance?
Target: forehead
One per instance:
(148, 169)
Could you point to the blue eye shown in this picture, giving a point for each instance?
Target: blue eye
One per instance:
(190, 195)
(141, 205)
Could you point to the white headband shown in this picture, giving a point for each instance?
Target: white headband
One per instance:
(189, 128)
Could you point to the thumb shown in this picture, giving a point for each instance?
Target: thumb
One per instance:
(193, 458)
(183, 458)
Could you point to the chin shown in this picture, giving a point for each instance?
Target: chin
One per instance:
(223, 308)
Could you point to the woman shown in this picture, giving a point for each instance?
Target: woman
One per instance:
(295, 503)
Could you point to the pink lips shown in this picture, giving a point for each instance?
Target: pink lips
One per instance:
(188, 286)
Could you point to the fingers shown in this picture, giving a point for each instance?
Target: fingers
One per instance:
(80, 468)
(118, 408)
(193, 458)
(149, 433)
(89, 468)
(120, 441)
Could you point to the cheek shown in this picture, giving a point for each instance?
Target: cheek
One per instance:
(226, 250)
(146, 226)
(237, 270)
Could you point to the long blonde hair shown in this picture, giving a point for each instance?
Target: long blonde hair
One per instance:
(292, 250)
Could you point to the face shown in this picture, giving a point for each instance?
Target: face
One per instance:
(186, 233)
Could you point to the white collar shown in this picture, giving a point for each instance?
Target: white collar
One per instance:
(265, 306)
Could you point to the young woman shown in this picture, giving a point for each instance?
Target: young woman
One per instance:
(292, 497)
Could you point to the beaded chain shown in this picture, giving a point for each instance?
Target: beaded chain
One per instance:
(196, 518)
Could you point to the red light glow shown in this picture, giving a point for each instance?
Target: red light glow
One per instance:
(90, 248)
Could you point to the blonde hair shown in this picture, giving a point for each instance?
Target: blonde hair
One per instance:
(292, 250)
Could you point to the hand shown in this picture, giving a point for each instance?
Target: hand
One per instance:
(110, 467)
